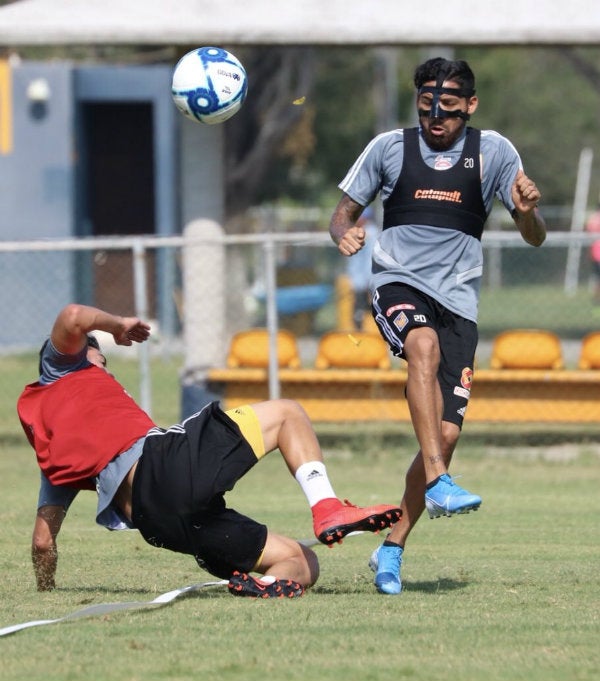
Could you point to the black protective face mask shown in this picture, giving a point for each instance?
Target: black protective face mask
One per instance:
(436, 110)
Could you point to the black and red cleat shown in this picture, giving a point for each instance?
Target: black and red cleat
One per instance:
(243, 584)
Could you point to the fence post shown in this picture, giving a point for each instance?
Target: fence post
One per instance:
(140, 282)
(204, 281)
(272, 321)
(578, 220)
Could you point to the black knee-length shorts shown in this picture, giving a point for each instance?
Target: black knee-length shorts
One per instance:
(178, 493)
(398, 308)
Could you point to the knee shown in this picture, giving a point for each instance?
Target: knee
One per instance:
(290, 410)
(301, 564)
(450, 435)
(43, 543)
(306, 564)
(311, 565)
(286, 558)
(422, 345)
(292, 407)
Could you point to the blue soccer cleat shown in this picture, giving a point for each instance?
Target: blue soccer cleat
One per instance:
(385, 562)
(447, 498)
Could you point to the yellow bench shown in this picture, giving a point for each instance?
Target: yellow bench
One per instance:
(498, 395)
(353, 379)
(535, 395)
(326, 394)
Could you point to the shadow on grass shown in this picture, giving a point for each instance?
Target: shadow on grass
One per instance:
(442, 585)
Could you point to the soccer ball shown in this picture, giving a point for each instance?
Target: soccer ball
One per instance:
(209, 85)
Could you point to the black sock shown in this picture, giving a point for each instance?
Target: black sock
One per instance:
(433, 482)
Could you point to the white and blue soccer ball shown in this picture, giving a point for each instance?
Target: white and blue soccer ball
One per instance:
(209, 85)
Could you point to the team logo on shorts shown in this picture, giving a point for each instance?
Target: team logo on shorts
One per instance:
(466, 378)
(403, 306)
(401, 321)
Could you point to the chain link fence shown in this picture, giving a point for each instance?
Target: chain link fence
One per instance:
(201, 288)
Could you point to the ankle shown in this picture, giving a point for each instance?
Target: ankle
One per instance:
(435, 481)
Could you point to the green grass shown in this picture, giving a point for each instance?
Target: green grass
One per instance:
(508, 593)
(537, 306)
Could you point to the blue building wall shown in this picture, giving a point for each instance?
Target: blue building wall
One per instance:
(36, 202)
(36, 178)
(39, 184)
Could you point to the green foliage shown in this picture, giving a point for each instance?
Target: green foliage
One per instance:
(345, 108)
(547, 109)
(536, 96)
(532, 95)
(339, 113)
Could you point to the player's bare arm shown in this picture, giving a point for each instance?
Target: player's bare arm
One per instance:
(343, 229)
(526, 196)
(74, 322)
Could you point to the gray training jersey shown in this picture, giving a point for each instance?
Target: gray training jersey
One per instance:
(443, 263)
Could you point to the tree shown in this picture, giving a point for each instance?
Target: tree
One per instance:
(545, 100)
(310, 111)
(280, 81)
(544, 105)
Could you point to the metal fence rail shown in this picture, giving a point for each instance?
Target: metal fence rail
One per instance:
(201, 287)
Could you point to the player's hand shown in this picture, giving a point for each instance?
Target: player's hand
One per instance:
(134, 331)
(352, 241)
(525, 194)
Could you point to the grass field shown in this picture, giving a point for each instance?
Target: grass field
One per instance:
(509, 593)
(537, 306)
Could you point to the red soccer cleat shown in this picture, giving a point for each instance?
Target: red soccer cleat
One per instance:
(332, 520)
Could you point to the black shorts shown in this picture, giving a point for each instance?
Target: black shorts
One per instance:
(398, 308)
(178, 493)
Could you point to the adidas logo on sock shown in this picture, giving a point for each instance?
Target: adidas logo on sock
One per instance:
(314, 474)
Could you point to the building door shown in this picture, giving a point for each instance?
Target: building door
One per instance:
(119, 195)
(126, 156)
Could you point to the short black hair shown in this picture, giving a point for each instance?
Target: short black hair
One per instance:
(440, 69)
(92, 342)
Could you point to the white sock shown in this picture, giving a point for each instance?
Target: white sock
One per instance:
(267, 579)
(312, 478)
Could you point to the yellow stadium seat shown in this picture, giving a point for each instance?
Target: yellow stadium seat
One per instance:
(356, 350)
(250, 349)
(589, 357)
(526, 349)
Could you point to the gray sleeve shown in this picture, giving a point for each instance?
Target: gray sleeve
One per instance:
(55, 365)
(376, 169)
(501, 163)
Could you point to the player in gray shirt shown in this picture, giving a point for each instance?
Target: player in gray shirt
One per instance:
(437, 183)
